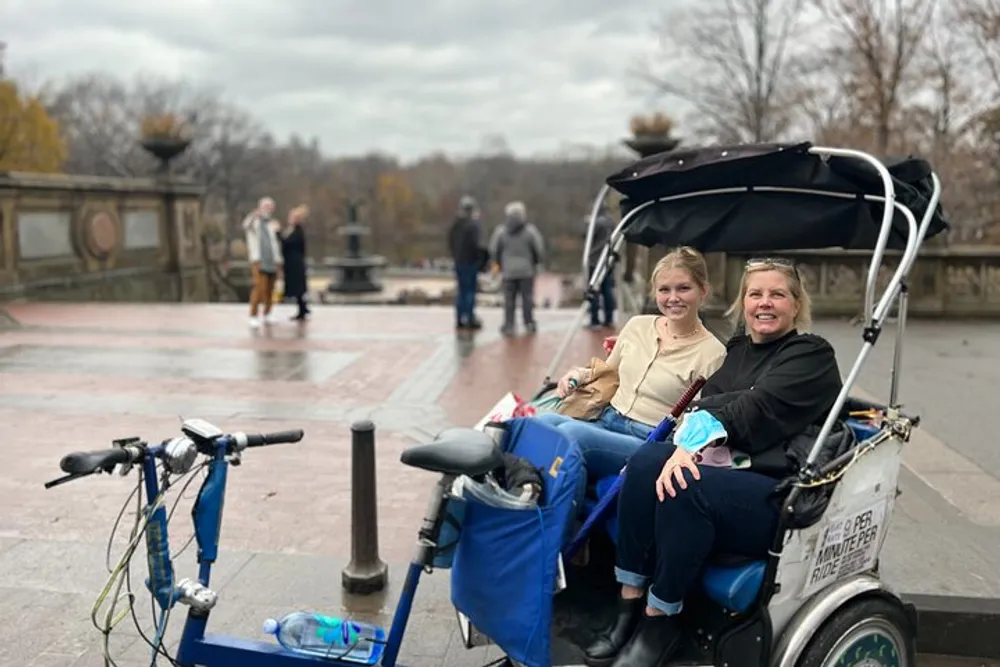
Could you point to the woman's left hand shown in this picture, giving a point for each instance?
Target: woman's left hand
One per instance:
(673, 470)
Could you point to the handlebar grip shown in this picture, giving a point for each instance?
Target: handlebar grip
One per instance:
(84, 463)
(688, 396)
(281, 437)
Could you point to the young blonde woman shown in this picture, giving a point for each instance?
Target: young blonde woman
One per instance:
(657, 357)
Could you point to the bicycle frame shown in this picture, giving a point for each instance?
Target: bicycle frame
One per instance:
(197, 648)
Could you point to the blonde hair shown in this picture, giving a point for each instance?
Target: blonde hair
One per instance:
(683, 257)
(297, 213)
(803, 319)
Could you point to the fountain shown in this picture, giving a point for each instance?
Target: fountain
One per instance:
(356, 269)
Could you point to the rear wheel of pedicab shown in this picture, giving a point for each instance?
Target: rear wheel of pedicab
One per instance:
(871, 632)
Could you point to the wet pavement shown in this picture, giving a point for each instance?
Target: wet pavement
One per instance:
(73, 377)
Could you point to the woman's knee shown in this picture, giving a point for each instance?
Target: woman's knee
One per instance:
(552, 418)
(652, 455)
(585, 433)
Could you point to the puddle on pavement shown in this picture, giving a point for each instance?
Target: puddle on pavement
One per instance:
(174, 363)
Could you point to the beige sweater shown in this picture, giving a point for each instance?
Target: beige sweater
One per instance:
(651, 381)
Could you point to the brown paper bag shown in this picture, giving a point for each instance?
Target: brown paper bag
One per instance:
(589, 399)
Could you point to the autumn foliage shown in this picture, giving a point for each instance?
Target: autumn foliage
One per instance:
(657, 124)
(29, 138)
(164, 127)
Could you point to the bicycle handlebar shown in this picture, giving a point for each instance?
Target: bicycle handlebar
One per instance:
(264, 439)
(81, 464)
(85, 463)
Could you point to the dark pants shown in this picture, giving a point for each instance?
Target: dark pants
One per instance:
(726, 511)
(605, 293)
(465, 297)
(512, 287)
(303, 306)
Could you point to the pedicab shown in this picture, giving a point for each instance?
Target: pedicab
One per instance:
(503, 514)
(817, 598)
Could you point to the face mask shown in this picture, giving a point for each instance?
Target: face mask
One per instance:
(698, 430)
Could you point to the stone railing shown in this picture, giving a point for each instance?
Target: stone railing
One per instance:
(81, 238)
(944, 282)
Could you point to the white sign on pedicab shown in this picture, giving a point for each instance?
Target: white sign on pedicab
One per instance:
(848, 545)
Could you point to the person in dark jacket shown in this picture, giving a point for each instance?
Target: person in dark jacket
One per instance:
(606, 289)
(293, 247)
(468, 255)
(711, 487)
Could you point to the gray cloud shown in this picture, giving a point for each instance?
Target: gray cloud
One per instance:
(395, 75)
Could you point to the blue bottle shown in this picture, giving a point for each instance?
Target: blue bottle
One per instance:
(328, 637)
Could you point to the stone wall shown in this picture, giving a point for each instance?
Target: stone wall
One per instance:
(79, 238)
(961, 282)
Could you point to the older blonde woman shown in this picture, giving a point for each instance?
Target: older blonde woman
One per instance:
(264, 255)
(676, 508)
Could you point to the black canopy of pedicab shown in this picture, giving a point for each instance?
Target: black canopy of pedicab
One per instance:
(754, 219)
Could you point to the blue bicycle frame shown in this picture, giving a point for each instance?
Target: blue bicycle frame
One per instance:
(197, 648)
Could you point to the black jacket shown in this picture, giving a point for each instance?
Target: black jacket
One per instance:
(464, 242)
(767, 394)
(293, 248)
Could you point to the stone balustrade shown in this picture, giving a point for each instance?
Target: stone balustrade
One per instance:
(961, 281)
(82, 238)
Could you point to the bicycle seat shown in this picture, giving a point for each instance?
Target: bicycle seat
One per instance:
(456, 451)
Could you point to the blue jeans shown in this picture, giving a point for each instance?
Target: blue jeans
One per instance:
(726, 511)
(465, 296)
(607, 443)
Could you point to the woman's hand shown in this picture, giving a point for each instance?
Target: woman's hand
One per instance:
(565, 388)
(673, 470)
(609, 344)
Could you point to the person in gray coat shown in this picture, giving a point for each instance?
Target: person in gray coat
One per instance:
(517, 247)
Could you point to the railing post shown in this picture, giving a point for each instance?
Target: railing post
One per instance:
(366, 573)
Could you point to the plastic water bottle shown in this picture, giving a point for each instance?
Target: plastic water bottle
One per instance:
(326, 636)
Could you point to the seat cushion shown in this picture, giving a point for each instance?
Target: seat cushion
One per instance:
(734, 587)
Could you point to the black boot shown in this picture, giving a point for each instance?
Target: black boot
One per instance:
(655, 641)
(604, 649)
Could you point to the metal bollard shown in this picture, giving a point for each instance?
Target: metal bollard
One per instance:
(366, 573)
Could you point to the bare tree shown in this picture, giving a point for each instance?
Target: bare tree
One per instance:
(875, 50)
(100, 125)
(733, 60)
(980, 20)
(232, 155)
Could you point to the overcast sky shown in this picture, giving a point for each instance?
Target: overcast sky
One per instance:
(402, 76)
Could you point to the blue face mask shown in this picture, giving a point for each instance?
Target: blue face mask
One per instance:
(698, 430)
